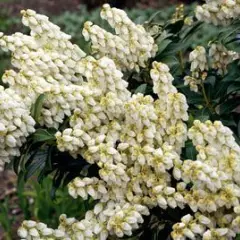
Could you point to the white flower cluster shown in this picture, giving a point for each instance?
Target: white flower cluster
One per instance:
(48, 63)
(105, 218)
(199, 66)
(218, 12)
(198, 60)
(135, 141)
(130, 48)
(33, 230)
(221, 57)
(217, 57)
(214, 190)
(210, 187)
(190, 227)
(15, 125)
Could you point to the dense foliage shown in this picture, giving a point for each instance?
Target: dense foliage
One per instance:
(142, 126)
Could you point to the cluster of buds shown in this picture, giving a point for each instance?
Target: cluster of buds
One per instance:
(214, 192)
(199, 66)
(106, 218)
(217, 57)
(130, 48)
(192, 227)
(35, 230)
(218, 12)
(198, 60)
(135, 149)
(179, 13)
(15, 125)
(221, 57)
(47, 64)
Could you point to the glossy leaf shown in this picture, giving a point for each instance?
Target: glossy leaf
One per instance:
(44, 135)
(37, 107)
(228, 106)
(141, 89)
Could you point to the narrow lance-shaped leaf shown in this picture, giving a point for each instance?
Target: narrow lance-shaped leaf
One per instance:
(37, 107)
(43, 135)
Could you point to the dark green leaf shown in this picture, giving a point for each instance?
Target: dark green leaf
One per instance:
(189, 33)
(230, 32)
(233, 73)
(171, 49)
(44, 135)
(195, 99)
(150, 20)
(210, 80)
(175, 27)
(237, 139)
(16, 162)
(228, 122)
(24, 157)
(238, 129)
(220, 90)
(163, 45)
(189, 151)
(37, 164)
(234, 87)
(141, 89)
(203, 114)
(228, 106)
(238, 237)
(37, 107)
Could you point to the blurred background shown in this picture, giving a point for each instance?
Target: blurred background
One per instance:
(59, 6)
(33, 201)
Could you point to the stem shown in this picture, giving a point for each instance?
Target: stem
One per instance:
(208, 104)
(180, 55)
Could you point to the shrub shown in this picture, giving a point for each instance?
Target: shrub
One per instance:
(148, 133)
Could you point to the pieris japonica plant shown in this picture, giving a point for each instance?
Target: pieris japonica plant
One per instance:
(146, 125)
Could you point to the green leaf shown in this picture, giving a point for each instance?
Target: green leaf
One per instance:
(228, 122)
(37, 164)
(44, 135)
(150, 20)
(24, 158)
(37, 107)
(234, 87)
(238, 129)
(16, 162)
(238, 237)
(203, 114)
(228, 106)
(231, 31)
(220, 89)
(189, 33)
(189, 151)
(175, 27)
(210, 80)
(141, 89)
(233, 74)
(170, 50)
(163, 45)
(195, 99)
